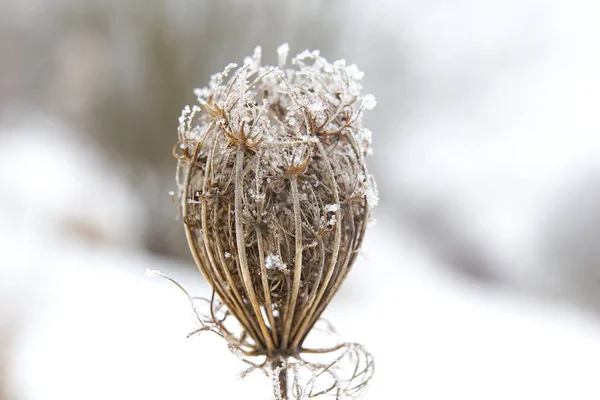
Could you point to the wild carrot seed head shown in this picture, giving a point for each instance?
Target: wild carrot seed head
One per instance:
(274, 189)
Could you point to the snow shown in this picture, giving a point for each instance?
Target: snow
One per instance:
(53, 185)
(53, 175)
(117, 333)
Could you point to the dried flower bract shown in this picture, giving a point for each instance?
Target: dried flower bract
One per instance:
(275, 197)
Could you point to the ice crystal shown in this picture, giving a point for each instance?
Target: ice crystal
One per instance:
(332, 207)
(282, 52)
(369, 102)
(273, 261)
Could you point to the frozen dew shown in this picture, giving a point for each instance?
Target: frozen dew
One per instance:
(369, 102)
(331, 221)
(372, 196)
(253, 63)
(273, 261)
(282, 52)
(332, 207)
(316, 107)
(354, 73)
(202, 94)
(339, 64)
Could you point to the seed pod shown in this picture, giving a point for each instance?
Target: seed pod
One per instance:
(274, 190)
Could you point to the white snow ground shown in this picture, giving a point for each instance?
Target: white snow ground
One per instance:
(92, 325)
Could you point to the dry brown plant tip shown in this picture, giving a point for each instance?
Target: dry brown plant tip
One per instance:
(275, 197)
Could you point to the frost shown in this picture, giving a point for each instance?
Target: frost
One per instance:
(202, 93)
(366, 134)
(253, 63)
(332, 207)
(152, 272)
(354, 73)
(316, 107)
(331, 221)
(273, 261)
(341, 63)
(363, 254)
(276, 388)
(229, 68)
(369, 102)
(184, 115)
(364, 139)
(282, 52)
(306, 54)
(372, 196)
(217, 79)
(235, 350)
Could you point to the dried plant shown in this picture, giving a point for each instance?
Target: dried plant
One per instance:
(275, 197)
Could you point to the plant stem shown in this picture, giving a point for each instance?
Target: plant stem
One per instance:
(282, 378)
(283, 383)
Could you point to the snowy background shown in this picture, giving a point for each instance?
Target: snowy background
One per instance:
(481, 276)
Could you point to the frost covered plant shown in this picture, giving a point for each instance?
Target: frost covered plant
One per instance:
(275, 198)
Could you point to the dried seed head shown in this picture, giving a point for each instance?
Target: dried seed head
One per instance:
(274, 189)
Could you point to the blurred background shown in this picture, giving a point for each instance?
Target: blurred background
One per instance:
(480, 277)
